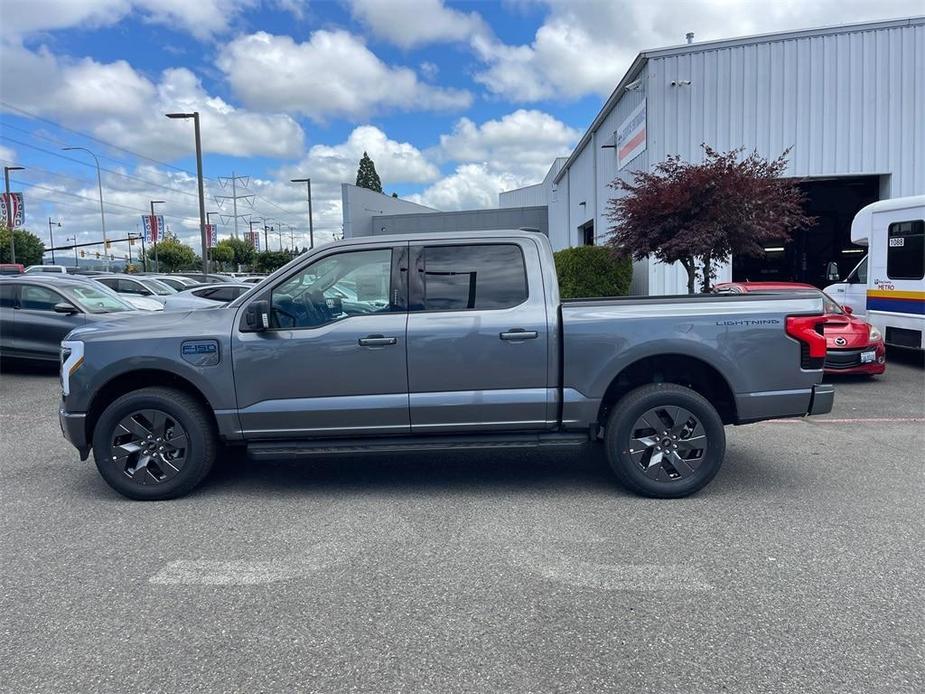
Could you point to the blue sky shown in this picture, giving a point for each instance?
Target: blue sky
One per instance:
(456, 101)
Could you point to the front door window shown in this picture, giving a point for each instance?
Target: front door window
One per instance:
(334, 288)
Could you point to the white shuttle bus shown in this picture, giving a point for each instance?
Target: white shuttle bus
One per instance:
(888, 286)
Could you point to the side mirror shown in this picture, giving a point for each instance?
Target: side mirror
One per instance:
(831, 272)
(848, 310)
(256, 317)
(66, 308)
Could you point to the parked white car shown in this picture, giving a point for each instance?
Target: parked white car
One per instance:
(176, 282)
(57, 269)
(141, 286)
(206, 296)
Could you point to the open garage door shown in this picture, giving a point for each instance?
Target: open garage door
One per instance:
(834, 202)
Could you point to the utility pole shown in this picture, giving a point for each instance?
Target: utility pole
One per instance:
(74, 239)
(224, 181)
(51, 236)
(311, 228)
(9, 209)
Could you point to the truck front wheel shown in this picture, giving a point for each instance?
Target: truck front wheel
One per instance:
(664, 440)
(154, 443)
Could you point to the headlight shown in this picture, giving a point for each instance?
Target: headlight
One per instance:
(72, 358)
(875, 335)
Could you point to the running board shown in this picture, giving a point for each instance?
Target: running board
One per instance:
(287, 449)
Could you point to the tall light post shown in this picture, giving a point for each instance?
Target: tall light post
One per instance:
(209, 236)
(9, 208)
(311, 228)
(202, 201)
(157, 231)
(99, 183)
(74, 239)
(51, 236)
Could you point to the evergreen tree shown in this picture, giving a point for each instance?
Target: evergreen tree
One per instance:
(367, 176)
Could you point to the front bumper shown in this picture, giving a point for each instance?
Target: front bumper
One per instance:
(822, 400)
(73, 426)
(848, 361)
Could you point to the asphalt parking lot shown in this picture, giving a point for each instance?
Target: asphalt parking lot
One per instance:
(798, 569)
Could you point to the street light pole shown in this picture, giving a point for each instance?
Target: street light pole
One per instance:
(202, 201)
(9, 209)
(311, 228)
(99, 183)
(51, 236)
(74, 239)
(157, 231)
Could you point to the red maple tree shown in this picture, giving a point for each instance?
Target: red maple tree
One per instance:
(700, 214)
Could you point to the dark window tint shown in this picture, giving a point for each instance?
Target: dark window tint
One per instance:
(132, 287)
(7, 295)
(38, 298)
(226, 293)
(112, 283)
(905, 253)
(473, 277)
(204, 293)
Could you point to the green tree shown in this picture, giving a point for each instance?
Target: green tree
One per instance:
(592, 271)
(367, 176)
(29, 247)
(221, 254)
(269, 261)
(172, 255)
(242, 251)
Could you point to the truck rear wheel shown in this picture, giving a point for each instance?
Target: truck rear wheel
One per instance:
(664, 440)
(154, 443)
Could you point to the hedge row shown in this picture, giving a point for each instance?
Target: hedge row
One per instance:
(592, 271)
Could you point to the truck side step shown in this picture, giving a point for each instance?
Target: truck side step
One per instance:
(288, 449)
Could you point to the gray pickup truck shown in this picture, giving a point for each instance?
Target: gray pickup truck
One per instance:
(437, 342)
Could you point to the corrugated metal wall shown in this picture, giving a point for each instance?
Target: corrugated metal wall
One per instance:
(846, 103)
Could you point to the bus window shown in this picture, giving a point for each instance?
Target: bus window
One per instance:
(905, 253)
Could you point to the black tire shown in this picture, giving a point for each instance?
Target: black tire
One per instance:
(182, 413)
(680, 472)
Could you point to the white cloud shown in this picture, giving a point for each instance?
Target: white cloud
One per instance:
(585, 47)
(471, 186)
(412, 23)
(7, 154)
(333, 74)
(396, 162)
(118, 104)
(522, 143)
(200, 18)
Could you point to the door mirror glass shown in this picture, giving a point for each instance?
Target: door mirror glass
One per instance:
(831, 272)
(256, 317)
(65, 307)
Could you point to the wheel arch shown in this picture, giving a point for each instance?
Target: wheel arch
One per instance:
(137, 379)
(680, 369)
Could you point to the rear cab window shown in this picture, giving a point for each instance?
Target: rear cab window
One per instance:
(470, 277)
(905, 253)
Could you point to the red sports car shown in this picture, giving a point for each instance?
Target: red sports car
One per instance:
(853, 346)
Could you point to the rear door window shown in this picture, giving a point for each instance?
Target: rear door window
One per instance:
(905, 253)
(8, 295)
(473, 277)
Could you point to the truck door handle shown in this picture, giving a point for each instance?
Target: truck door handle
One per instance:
(377, 341)
(519, 334)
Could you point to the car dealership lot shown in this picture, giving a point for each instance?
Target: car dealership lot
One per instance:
(798, 568)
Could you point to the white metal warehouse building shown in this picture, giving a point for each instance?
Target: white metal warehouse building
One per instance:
(849, 101)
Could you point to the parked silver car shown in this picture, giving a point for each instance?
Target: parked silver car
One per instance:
(206, 295)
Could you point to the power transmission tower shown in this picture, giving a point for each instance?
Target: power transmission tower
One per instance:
(220, 200)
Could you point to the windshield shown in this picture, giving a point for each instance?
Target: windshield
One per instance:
(157, 286)
(829, 305)
(95, 300)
